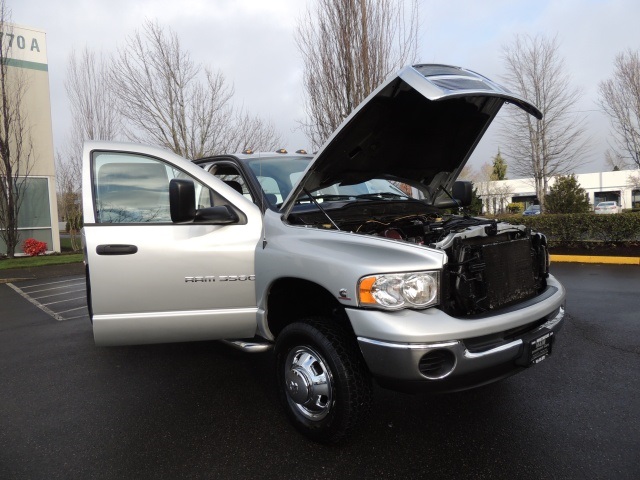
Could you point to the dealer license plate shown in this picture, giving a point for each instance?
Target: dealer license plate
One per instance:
(536, 348)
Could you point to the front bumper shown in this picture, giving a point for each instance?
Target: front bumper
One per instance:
(490, 348)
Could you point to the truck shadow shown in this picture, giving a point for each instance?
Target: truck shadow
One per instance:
(216, 399)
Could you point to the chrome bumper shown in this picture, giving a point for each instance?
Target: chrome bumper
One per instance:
(401, 361)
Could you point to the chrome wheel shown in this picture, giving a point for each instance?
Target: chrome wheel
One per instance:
(308, 383)
(323, 382)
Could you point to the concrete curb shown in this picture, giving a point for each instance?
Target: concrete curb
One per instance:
(594, 259)
(17, 279)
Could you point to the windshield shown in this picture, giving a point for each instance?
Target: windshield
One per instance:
(278, 176)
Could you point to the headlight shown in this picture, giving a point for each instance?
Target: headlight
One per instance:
(399, 290)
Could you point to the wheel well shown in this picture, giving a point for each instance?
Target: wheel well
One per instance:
(291, 299)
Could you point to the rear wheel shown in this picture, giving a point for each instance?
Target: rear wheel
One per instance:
(323, 382)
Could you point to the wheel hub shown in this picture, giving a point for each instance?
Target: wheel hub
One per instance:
(298, 385)
(308, 383)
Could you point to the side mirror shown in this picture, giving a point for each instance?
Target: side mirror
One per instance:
(220, 215)
(182, 204)
(182, 200)
(462, 192)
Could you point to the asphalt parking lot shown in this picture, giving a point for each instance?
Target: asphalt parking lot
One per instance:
(61, 298)
(202, 410)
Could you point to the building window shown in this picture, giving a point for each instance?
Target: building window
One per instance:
(34, 217)
(635, 198)
(612, 196)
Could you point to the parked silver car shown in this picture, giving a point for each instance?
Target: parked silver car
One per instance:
(324, 258)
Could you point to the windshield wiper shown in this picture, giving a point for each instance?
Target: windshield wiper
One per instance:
(327, 197)
(381, 195)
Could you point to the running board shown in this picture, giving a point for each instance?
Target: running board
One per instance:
(249, 346)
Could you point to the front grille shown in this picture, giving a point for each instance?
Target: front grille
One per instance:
(489, 273)
(508, 272)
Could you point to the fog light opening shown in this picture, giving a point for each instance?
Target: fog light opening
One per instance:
(437, 364)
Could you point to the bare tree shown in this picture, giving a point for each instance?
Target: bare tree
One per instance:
(469, 173)
(620, 100)
(615, 161)
(348, 48)
(68, 181)
(171, 101)
(16, 146)
(555, 145)
(94, 117)
(92, 101)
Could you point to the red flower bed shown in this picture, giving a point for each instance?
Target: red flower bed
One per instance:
(33, 247)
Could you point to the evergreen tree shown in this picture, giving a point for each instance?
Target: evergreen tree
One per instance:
(567, 196)
(499, 171)
(476, 203)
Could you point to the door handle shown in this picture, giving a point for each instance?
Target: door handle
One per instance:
(116, 249)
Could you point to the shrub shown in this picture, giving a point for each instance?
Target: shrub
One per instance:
(517, 207)
(571, 228)
(566, 196)
(33, 247)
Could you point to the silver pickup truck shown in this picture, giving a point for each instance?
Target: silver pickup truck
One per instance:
(346, 263)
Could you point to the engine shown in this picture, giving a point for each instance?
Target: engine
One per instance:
(491, 265)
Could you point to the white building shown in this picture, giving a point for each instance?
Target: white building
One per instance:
(622, 186)
(26, 58)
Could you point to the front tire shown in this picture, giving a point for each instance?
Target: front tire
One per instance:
(323, 382)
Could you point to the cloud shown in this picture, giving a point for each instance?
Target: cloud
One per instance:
(252, 42)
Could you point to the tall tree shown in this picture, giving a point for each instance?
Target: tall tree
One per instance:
(469, 173)
(94, 117)
(348, 48)
(174, 102)
(494, 193)
(557, 144)
(499, 171)
(92, 102)
(620, 100)
(68, 181)
(16, 146)
(615, 161)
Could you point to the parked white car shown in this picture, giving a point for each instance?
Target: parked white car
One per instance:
(607, 207)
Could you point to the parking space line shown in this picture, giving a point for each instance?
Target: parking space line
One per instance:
(36, 303)
(58, 294)
(56, 288)
(72, 310)
(66, 300)
(77, 316)
(51, 283)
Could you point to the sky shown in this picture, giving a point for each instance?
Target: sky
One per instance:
(252, 43)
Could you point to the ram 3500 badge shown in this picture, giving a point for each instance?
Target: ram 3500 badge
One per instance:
(347, 277)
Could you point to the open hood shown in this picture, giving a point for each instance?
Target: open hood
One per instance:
(419, 127)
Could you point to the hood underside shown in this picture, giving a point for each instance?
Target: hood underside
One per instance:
(419, 127)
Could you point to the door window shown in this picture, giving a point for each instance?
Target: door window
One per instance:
(232, 177)
(135, 189)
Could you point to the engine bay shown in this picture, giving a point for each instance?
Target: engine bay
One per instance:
(491, 264)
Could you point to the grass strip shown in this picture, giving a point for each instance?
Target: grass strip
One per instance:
(39, 261)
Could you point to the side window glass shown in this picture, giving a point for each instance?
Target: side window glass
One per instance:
(231, 177)
(271, 189)
(135, 189)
